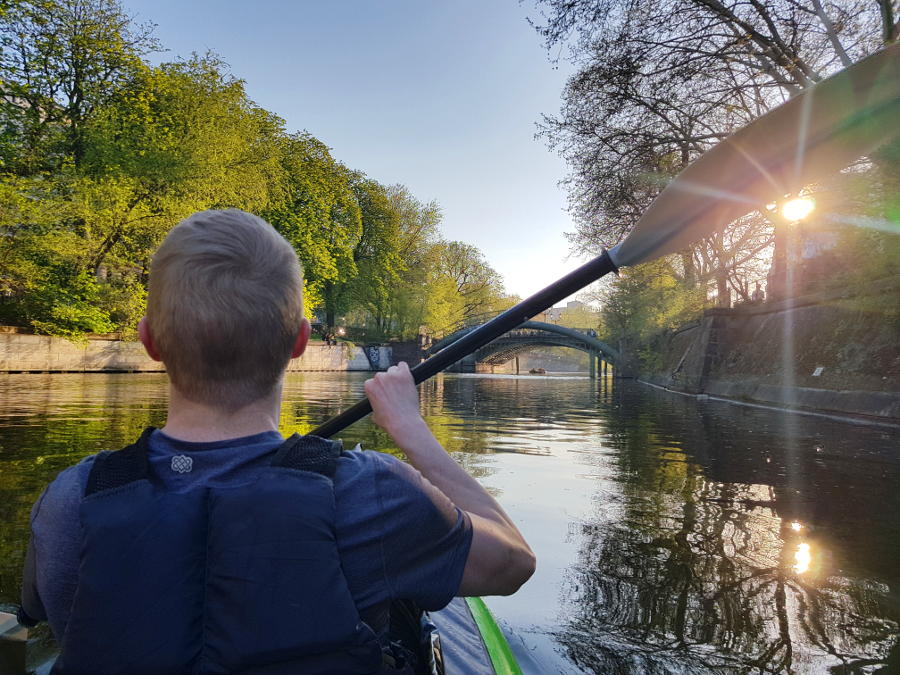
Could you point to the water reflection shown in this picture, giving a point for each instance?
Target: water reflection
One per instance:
(802, 557)
(710, 567)
(672, 535)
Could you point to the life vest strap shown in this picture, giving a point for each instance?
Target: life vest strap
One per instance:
(116, 469)
(309, 453)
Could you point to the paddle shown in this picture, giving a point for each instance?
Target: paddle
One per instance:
(818, 132)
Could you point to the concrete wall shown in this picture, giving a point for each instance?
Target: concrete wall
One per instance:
(342, 357)
(825, 353)
(21, 352)
(40, 353)
(545, 358)
(507, 368)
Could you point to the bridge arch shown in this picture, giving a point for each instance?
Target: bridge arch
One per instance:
(529, 335)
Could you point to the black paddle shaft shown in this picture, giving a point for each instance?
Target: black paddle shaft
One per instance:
(479, 337)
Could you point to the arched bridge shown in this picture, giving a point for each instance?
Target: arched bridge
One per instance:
(533, 334)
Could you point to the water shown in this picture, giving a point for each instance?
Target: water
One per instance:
(672, 535)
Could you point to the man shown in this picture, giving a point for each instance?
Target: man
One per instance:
(757, 296)
(215, 545)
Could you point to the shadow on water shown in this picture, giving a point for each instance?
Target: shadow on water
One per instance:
(672, 535)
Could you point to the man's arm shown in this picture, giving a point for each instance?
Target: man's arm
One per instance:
(32, 609)
(51, 567)
(500, 560)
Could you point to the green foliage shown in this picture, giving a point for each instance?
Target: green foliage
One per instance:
(416, 279)
(581, 317)
(644, 301)
(189, 137)
(319, 214)
(377, 253)
(67, 305)
(101, 153)
(59, 60)
(125, 300)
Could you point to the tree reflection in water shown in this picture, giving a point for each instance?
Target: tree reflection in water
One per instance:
(692, 574)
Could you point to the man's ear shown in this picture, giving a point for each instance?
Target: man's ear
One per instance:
(302, 338)
(147, 339)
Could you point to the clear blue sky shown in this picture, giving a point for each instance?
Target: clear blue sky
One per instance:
(440, 96)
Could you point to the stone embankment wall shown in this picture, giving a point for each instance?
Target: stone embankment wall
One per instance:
(21, 352)
(825, 353)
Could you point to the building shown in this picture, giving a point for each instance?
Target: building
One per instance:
(554, 314)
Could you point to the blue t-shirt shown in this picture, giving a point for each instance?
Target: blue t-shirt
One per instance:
(399, 537)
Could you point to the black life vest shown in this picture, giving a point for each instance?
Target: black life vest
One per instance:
(243, 579)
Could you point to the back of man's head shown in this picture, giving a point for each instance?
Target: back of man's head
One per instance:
(224, 307)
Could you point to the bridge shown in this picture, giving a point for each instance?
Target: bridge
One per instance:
(530, 335)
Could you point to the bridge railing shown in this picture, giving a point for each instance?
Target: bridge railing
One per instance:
(467, 322)
(586, 340)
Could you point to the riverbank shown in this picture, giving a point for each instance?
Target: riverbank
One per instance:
(825, 352)
(26, 353)
(836, 417)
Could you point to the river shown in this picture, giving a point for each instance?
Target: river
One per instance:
(672, 535)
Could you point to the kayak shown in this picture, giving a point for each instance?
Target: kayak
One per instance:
(462, 639)
(471, 642)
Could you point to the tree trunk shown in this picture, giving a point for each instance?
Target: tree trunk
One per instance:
(723, 294)
(778, 270)
(889, 29)
(328, 297)
(690, 270)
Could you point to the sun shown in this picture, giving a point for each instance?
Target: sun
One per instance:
(798, 209)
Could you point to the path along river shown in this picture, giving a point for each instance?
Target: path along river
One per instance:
(672, 535)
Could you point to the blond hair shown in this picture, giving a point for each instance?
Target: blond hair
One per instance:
(224, 307)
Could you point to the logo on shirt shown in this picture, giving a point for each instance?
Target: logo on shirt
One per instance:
(182, 463)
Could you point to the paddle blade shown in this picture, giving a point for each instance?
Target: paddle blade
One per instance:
(816, 134)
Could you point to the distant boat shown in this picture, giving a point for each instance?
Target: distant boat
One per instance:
(537, 371)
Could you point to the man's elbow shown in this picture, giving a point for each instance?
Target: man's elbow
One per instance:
(520, 567)
(499, 562)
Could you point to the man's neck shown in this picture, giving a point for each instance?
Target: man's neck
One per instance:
(196, 422)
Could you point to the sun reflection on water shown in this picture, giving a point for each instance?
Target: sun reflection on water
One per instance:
(803, 558)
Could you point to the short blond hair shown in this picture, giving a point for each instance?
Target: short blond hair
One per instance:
(224, 307)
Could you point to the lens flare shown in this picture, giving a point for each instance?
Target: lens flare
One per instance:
(798, 209)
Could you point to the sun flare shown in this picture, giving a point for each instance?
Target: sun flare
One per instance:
(798, 209)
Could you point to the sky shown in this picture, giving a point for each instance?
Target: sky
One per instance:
(440, 96)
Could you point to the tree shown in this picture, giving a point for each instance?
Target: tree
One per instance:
(474, 284)
(415, 294)
(419, 223)
(659, 83)
(377, 255)
(59, 61)
(320, 216)
(43, 282)
(426, 281)
(101, 153)
(173, 140)
(169, 141)
(642, 302)
(419, 233)
(582, 316)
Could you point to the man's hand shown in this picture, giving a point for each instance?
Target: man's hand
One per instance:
(395, 401)
(499, 560)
